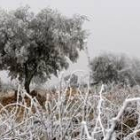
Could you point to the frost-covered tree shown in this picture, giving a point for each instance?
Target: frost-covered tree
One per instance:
(103, 70)
(107, 68)
(72, 80)
(38, 45)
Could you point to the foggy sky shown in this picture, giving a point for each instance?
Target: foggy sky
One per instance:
(114, 25)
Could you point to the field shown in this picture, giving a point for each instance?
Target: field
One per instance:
(71, 114)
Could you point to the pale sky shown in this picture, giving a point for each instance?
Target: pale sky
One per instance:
(114, 25)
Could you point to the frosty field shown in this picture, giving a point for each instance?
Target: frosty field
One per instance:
(71, 114)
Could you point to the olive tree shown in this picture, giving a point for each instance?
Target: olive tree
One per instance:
(38, 45)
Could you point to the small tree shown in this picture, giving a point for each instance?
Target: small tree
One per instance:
(72, 79)
(108, 68)
(103, 70)
(38, 45)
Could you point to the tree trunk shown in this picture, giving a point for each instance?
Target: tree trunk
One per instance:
(28, 77)
(27, 86)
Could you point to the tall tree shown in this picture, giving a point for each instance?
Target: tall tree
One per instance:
(38, 45)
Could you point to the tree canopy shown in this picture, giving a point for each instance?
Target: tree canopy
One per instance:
(38, 45)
